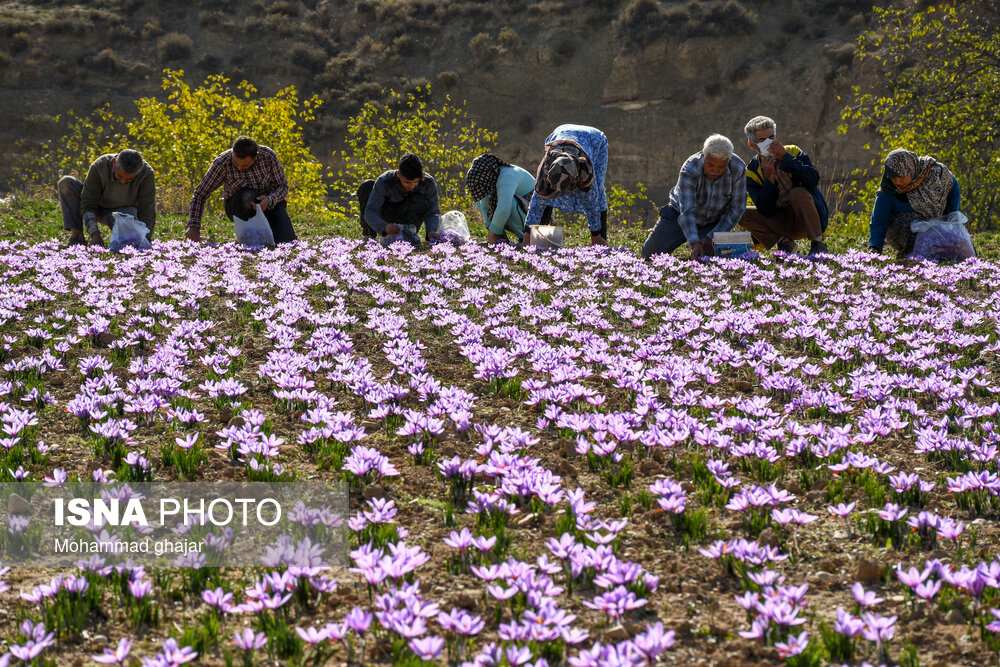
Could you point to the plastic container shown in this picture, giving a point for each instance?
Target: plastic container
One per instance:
(732, 244)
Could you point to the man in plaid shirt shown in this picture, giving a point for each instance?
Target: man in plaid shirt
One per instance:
(710, 196)
(248, 173)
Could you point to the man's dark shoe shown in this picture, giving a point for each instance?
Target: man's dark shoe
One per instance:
(786, 245)
(817, 247)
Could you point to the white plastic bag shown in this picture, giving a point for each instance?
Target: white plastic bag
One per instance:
(546, 236)
(128, 231)
(943, 239)
(254, 232)
(454, 228)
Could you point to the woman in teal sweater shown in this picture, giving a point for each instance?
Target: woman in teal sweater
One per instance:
(501, 192)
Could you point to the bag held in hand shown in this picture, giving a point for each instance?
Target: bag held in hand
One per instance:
(128, 231)
(254, 232)
(943, 239)
(454, 228)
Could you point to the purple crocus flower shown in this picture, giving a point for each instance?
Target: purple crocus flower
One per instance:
(172, 655)
(427, 648)
(312, 636)
(358, 620)
(878, 629)
(927, 589)
(793, 645)
(117, 655)
(654, 641)
(864, 598)
(248, 640)
(140, 588)
(38, 641)
(847, 625)
(912, 577)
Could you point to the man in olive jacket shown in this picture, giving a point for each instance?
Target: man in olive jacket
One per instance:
(121, 182)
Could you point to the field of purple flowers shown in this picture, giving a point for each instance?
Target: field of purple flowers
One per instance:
(577, 458)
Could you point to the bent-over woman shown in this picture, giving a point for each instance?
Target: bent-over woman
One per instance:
(912, 188)
(501, 191)
(570, 177)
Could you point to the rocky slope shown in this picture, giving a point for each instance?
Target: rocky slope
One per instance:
(657, 76)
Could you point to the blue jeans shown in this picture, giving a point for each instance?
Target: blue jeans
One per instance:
(667, 235)
(406, 233)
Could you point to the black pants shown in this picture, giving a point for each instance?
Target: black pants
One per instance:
(364, 192)
(276, 214)
(603, 231)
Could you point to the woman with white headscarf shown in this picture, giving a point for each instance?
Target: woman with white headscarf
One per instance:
(912, 188)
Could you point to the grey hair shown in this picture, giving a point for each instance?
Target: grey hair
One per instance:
(718, 146)
(129, 161)
(759, 123)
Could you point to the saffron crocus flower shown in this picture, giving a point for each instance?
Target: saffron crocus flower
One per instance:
(878, 629)
(117, 655)
(950, 529)
(864, 598)
(248, 640)
(654, 641)
(912, 577)
(847, 625)
(140, 588)
(617, 602)
(892, 512)
(38, 641)
(427, 648)
(56, 479)
(312, 636)
(217, 598)
(171, 655)
(461, 622)
(358, 620)
(793, 645)
(995, 625)
(927, 589)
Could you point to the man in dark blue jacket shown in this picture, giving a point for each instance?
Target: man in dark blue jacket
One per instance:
(783, 185)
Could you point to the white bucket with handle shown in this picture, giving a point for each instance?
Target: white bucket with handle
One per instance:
(546, 236)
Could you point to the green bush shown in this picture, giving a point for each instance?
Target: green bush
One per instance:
(936, 94)
(445, 138)
(179, 138)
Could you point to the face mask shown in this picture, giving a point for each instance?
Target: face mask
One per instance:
(765, 146)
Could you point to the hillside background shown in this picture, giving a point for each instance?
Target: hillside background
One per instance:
(656, 75)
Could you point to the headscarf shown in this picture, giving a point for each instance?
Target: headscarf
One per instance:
(481, 180)
(565, 166)
(931, 181)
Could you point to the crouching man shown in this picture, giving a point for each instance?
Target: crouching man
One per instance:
(248, 174)
(710, 196)
(401, 200)
(784, 187)
(121, 182)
